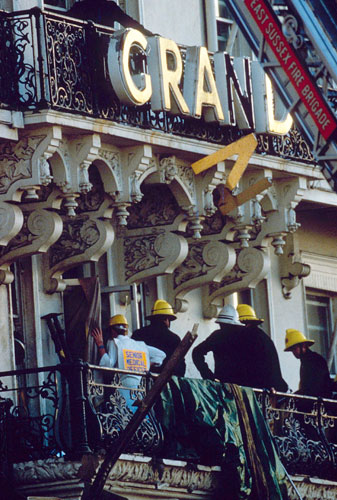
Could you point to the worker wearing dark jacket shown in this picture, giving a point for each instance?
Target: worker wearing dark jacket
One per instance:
(314, 373)
(158, 333)
(228, 345)
(266, 372)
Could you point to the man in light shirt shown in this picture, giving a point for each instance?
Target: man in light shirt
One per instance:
(127, 354)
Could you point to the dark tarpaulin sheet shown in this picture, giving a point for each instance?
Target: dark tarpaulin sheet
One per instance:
(82, 314)
(221, 424)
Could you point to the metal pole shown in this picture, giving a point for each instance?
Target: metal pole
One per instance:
(134, 306)
(332, 347)
(292, 483)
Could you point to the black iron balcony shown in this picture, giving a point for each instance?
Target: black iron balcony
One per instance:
(58, 63)
(70, 410)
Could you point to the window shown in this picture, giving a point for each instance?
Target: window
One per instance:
(224, 24)
(67, 4)
(319, 325)
(63, 4)
(258, 299)
(222, 32)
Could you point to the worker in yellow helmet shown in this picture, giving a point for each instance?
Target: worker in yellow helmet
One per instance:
(264, 365)
(123, 352)
(158, 333)
(314, 373)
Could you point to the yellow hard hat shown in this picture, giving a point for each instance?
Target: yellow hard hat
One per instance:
(118, 319)
(162, 308)
(294, 337)
(247, 314)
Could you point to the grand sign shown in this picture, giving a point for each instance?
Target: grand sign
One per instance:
(230, 91)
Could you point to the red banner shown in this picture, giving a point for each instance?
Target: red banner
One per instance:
(297, 74)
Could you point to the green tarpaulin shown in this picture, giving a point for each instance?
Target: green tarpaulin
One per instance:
(221, 424)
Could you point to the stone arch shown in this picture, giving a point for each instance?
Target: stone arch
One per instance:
(158, 207)
(58, 169)
(176, 186)
(109, 175)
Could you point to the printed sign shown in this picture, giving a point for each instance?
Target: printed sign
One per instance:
(297, 74)
(134, 360)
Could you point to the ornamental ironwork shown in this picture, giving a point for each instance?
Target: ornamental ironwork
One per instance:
(18, 60)
(67, 63)
(304, 431)
(58, 64)
(31, 422)
(75, 408)
(115, 402)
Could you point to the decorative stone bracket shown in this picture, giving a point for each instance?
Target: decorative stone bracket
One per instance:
(137, 165)
(41, 228)
(154, 253)
(11, 221)
(292, 269)
(206, 262)
(279, 205)
(251, 267)
(84, 238)
(24, 166)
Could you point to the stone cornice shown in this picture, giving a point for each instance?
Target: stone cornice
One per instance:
(323, 275)
(142, 477)
(131, 135)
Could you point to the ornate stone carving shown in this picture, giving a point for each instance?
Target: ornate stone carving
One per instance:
(15, 161)
(41, 228)
(111, 171)
(70, 167)
(279, 205)
(23, 164)
(170, 168)
(251, 267)
(86, 150)
(121, 213)
(44, 168)
(164, 474)
(228, 235)
(84, 238)
(206, 262)
(83, 178)
(149, 244)
(11, 221)
(194, 222)
(49, 469)
(157, 208)
(248, 218)
(136, 166)
(292, 270)
(128, 470)
(153, 254)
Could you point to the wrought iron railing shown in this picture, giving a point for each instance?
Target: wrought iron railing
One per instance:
(78, 408)
(71, 409)
(58, 63)
(304, 430)
(113, 395)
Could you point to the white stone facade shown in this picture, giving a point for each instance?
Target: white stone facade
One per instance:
(53, 221)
